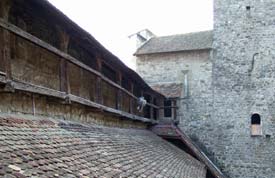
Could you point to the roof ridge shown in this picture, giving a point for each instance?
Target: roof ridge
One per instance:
(183, 34)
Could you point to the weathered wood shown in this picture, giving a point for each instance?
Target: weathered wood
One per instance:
(64, 84)
(6, 54)
(119, 92)
(22, 86)
(201, 155)
(65, 39)
(84, 101)
(98, 90)
(3, 79)
(131, 99)
(2, 73)
(4, 14)
(26, 87)
(152, 105)
(58, 52)
(108, 109)
(5, 6)
(177, 133)
(166, 107)
(151, 108)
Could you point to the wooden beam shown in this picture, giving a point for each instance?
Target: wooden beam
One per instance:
(64, 83)
(119, 92)
(151, 108)
(98, 90)
(6, 54)
(21, 86)
(58, 52)
(201, 155)
(4, 14)
(131, 99)
(64, 77)
(5, 6)
(3, 79)
(62, 54)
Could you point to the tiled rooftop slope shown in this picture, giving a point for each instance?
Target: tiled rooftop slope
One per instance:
(32, 147)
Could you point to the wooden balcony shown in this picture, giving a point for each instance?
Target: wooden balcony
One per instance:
(30, 64)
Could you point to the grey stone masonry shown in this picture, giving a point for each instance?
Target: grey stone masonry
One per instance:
(192, 70)
(226, 86)
(243, 84)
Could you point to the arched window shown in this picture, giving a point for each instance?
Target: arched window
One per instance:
(256, 128)
(256, 119)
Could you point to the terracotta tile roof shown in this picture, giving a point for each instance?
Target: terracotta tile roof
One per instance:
(49, 148)
(170, 90)
(174, 43)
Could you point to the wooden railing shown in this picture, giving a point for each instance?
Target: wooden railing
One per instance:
(58, 68)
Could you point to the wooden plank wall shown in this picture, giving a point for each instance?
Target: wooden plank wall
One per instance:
(81, 82)
(33, 64)
(52, 64)
(2, 63)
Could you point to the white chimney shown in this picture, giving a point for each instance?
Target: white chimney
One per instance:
(142, 37)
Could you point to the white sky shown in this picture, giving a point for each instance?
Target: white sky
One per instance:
(112, 21)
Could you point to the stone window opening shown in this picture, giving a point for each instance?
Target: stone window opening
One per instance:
(167, 108)
(256, 128)
(248, 11)
(170, 108)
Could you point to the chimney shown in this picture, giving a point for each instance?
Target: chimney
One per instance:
(142, 37)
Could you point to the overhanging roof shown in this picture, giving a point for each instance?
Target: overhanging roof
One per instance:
(176, 43)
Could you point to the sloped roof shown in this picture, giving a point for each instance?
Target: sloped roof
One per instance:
(174, 43)
(50, 148)
(167, 131)
(169, 90)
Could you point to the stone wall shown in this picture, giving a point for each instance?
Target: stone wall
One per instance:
(194, 108)
(243, 84)
(219, 109)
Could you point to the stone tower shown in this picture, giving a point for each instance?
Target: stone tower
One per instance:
(243, 116)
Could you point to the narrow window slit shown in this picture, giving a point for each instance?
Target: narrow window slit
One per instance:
(256, 128)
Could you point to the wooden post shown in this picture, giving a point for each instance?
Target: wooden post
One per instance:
(174, 109)
(98, 91)
(131, 99)
(151, 108)
(5, 6)
(119, 92)
(157, 110)
(4, 14)
(6, 54)
(64, 78)
(142, 112)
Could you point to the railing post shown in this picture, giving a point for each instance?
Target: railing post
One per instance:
(64, 78)
(5, 6)
(151, 108)
(141, 95)
(131, 99)
(119, 92)
(98, 92)
(6, 54)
